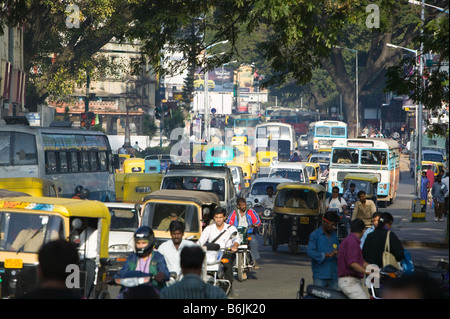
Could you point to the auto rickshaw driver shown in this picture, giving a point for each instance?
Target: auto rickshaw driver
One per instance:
(296, 201)
(165, 223)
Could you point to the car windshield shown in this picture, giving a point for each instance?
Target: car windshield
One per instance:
(208, 184)
(261, 188)
(28, 232)
(123, 219)
(433, 157)
(294, 174)
(158, 215)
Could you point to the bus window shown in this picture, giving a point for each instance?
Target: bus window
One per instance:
(63, 162)
(373, 157)
(24, 149)
(73, 162)
(93, 161)
(102, 161)
(50, 162)
(322, 131)
(345, 156)
(338, 131)
(84, 162)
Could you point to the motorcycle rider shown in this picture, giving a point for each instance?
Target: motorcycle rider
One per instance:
(351, 195)
(171, 249)
(249, 219)
(145, 259)
(219, 233)
(268, 201)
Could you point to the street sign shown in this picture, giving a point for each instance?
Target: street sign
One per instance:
(213, 111)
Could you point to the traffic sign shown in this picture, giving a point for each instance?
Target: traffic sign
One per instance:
(213, 111)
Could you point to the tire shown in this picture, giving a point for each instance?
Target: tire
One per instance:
(240, 267)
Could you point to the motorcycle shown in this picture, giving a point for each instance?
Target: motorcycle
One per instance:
(135, 285)
(265, 229)
(214, 267)
(342, 225)
(244, 261)
(318, 292)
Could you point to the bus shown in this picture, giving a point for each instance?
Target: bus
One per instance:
(376, 156)
(244, 125)
(322, 134)
(68, 157)
(278, 137)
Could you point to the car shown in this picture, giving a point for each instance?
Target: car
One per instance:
(303, 141)
(125, 219)
(259, 186)
(295, 171)
(238, 180)
(199, 177)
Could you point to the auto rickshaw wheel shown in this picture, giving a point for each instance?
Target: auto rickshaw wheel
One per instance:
(274, 240)
(240, 267)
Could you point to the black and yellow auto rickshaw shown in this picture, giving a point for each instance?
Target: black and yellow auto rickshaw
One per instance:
(363, 182)
(194, 208)
(27, 222)
(298, 211)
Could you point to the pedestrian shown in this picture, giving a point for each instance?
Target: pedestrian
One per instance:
(323, 250)
(171, 249)
(364, 208)
(438, 192)
(375, 242)
(191, 286)
(351, 266)
(445, 182)
(249, 219)
(375, 219)
(146, 259)
(53, 258)
(430, 176)
(424, 190)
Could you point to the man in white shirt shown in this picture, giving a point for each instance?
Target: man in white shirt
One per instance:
(267, 201)
(171, 249)
(220, 233)
(336, 201)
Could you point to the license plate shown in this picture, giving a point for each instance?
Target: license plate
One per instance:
(304, 220)
(13, 263)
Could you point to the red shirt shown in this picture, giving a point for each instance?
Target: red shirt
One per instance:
(349, 252)
(430, 176)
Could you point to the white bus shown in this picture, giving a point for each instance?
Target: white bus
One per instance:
(322, 134)
(377, 156)
(278, 136)
(68, 157)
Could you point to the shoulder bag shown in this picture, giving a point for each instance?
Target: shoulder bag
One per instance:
(388, 257)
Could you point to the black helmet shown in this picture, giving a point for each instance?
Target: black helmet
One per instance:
(78, 189)
(145, 233)
(85, 193)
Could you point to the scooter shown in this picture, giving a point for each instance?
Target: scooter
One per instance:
(214, 267)
(318, 292)
(135, 285)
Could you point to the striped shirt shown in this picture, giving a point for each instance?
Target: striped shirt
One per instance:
(192, 287)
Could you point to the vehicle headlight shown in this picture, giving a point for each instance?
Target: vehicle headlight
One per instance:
(267, 212)
(120, 248)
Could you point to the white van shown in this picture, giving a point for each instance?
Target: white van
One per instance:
(295, 171)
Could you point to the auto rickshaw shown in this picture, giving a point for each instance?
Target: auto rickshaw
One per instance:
(298, 211)
(264, 158)
(239, 140)
(194, 208)
(363, 182)
(49, 218)
(134, 165)
(32, 186)
(133, 187)
(314, 172)
(152, 166)
(436, 167)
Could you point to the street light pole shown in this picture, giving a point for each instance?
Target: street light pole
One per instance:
(206, 88)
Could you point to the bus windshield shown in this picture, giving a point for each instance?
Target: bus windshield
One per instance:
(338, 132)
(323, 131)
(351, 156)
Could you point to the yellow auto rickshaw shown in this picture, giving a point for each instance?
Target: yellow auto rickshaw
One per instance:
(363, 182)
(194, 208)
(297, 211)
(32, 186)
(121, 160)
(28, 222)
(314, 172)
(133, 187)
(264, 158)
(239, 140)
(134, 165)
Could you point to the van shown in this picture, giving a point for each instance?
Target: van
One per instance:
(198, 177)
(240, 185)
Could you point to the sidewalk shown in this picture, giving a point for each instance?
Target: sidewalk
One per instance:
(422, 234)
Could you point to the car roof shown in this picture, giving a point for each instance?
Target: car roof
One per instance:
(199, 197)
(298, 165)
(271, 180)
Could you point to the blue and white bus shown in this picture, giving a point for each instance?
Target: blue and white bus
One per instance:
(376, 156)
(68, 157)
(322, 134)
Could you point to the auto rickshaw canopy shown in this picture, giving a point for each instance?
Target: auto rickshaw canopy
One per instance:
(313, 196)
(32, 186)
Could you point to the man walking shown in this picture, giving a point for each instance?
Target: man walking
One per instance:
(438, 192)
(364, 209)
